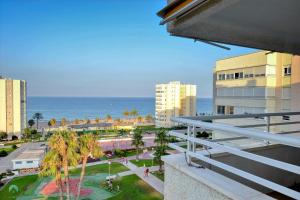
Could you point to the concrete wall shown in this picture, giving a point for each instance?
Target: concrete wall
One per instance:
(179, 185)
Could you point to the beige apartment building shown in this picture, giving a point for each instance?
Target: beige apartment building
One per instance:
(172, 100)
(260, 82)
(12, 106)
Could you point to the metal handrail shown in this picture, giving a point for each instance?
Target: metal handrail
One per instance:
(193, 124)
(255, 134)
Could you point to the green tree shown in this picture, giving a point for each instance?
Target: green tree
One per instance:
(27, 133)
(63, 122)
(37, 116)
(3, 135)
(88, 147)
(137, 141)
(31, 123)
(161, 141)
(66, 145)
(51, 166)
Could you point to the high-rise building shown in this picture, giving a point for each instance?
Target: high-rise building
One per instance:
(12, 106)
(261, 82)
(172, 100)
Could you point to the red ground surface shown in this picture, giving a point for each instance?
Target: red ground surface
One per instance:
(51, 188)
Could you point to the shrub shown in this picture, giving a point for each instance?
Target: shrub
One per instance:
(14, 146)
(119, 152)
(3, 153)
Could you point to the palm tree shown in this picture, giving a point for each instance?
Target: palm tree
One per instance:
(88, 146)
(31, 123)
(97, 120)
(65, 144)
(161, 141)
(52, 122)
(76, 121)
(37, 116)
(139, 119)
(149, 118)
(134, 113)
(137, 141)
(51, 165)
(63, 121)
(108, 118)
(126, 113)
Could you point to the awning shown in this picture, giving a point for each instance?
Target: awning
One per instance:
(263, 24)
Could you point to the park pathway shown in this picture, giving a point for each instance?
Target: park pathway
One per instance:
(156, 183)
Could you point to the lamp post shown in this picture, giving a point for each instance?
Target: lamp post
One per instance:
(109, 163)
(152, 155)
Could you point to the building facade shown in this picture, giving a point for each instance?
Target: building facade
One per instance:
(12, 106)
(261, 82)
(172, 100)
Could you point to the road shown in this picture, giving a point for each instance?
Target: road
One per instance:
(5, 162)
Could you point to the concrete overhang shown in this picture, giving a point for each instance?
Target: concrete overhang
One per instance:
(262, 24)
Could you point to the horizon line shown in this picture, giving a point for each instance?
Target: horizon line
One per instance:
(104, 96)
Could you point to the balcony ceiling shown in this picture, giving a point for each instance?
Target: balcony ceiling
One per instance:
(262, 24)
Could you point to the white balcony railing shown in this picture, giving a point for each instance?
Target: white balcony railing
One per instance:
(194, 123)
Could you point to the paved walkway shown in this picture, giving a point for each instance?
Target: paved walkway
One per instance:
(156, 183)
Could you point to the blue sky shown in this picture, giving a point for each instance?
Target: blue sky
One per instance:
(99, 48)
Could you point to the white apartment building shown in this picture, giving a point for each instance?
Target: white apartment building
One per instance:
(12, 106)
(172, 100)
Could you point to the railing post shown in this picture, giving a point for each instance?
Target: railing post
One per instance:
(189, 144)
(268, 123)
(194, 135)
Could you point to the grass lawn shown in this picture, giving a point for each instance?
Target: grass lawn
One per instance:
(142, 162)
(134, 188)
(102, 168)
(24, 183)
(159, 175)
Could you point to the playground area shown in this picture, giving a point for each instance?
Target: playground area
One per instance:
(93, 187)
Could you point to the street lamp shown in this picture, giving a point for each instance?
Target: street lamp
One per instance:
(109, 163)
(152, 156)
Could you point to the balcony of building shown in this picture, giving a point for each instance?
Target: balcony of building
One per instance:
(238, 161)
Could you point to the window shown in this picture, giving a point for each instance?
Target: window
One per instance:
(221, 110)
(238, 75)
(230, 110)
(229, 76)
(18, 162)
(221, 76)
(287, 71)
(29, 162)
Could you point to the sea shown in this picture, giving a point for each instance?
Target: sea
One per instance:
(92, 107)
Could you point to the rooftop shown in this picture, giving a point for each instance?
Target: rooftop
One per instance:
(33, 154)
